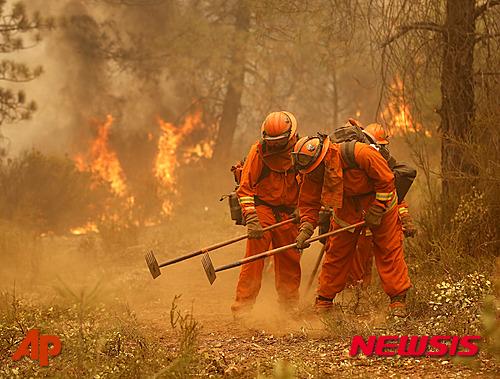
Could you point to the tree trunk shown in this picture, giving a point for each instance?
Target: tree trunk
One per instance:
(457, 90)
(236, 82)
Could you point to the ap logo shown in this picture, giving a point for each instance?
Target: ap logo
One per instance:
(38, 351)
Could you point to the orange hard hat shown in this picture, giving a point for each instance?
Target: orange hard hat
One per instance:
(309, 152)
(278, 125)
(378, 132)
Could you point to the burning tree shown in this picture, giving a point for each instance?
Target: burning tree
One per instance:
(453, 44)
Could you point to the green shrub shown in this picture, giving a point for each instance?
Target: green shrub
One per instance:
(48, 194)
(455, 308)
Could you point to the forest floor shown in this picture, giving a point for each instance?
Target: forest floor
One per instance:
(186, 323)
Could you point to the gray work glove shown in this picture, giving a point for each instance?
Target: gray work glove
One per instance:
(306, 231)
(253, 226)
(374, 216)
(409, 228)
(295, 215)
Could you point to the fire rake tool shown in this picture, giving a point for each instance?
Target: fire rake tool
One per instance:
(211, 271)
(154, 267)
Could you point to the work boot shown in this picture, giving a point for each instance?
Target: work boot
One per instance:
(398, 306)
(240, 311)
(241, 314)
(323, 305)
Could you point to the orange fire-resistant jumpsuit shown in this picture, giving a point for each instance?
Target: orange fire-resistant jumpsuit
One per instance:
(361, 268)
(352, 193)
(274, 197)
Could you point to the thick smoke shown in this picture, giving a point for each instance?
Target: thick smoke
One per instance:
(87, 76)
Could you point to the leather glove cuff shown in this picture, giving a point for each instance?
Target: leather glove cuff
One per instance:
(406, 218)
(374, 215)
(306, 231)
(307, 227)
(252, 218)
(409, 228)
(253, 225)
(295, 215)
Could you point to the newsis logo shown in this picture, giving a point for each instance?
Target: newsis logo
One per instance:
(415, 346)
(39, 347)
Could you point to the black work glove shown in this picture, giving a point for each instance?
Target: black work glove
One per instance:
(374, 216)
(409, 228)
(306, 231)
(295, 215)
(253, 226)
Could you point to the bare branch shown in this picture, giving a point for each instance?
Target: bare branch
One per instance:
(486, 36)
(486, 73)
(430, 26)
(483, 8)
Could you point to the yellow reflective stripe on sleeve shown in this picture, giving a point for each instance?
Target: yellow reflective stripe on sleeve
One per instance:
(403, 210)
(368, 232)
(383, 196)
(246, 200)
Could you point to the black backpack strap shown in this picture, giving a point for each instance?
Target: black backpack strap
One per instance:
(347, 151)
(265, 172)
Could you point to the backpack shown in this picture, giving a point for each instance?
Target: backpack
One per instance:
(404, 175)
(347, 136)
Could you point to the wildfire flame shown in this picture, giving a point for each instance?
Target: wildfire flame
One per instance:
(101, 160)
(174, 149)
(177, 145)
(398, 113)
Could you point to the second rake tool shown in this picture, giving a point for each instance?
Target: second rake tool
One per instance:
(210, 270)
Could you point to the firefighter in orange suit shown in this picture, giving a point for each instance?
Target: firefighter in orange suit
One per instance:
(361, 268)
(268, 193)
(366, 193)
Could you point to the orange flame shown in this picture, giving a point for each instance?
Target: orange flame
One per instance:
(90, 227)
(101, 160)
(174, 149)
(398, 113)
(177, 145)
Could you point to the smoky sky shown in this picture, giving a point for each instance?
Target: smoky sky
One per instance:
(83, 78)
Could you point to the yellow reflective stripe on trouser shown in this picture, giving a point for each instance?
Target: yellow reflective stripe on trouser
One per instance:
(341, 223)
(392, 203)
(246, 200)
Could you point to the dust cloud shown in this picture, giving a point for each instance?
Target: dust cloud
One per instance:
(39, 268)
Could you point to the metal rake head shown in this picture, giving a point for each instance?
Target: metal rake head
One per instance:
(152, 264)
(209, 268)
